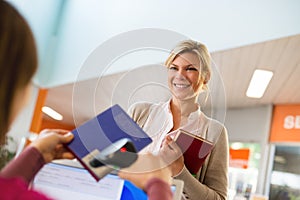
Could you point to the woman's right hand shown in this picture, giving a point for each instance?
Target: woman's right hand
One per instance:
(172, 155)
(144, 169)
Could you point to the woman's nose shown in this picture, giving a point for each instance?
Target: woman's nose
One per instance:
(180, 73)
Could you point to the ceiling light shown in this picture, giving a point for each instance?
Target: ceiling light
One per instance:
(259, 82)
(52, 113)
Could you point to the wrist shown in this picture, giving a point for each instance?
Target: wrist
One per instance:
(178, 171)
(40, 150)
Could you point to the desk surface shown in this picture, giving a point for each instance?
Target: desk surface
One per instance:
(63, 179)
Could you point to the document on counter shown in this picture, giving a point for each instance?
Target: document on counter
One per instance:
(63, 182)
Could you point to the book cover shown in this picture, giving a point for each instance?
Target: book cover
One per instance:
(101, 131)
(195, 149)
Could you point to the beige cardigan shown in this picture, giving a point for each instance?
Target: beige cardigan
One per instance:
(211, 181)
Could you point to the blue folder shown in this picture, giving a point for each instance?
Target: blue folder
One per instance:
(101, 131)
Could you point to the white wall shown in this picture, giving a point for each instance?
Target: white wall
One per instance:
(43, 17)
(68, 31)
(249, 124)
(86, 24)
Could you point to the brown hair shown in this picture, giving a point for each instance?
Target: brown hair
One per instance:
(198, 49)
(18, 60)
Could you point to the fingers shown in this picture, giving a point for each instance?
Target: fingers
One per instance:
(62, 136)
(56, 131)
(170, 146)
(50, 144)
(59, 131)
(62, 152)
(172, 155)
(168, 139)
(66, 138)
(67, 155)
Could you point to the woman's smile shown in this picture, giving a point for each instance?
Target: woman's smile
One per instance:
(181, 85)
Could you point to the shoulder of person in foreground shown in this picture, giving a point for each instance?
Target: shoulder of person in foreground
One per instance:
(16, 188)
(25, 166)
(44, 149)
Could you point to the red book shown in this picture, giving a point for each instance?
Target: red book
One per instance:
(194, 148)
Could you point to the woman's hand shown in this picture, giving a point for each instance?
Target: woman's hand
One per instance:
(50, 144)
(172, 155)
(144, 169)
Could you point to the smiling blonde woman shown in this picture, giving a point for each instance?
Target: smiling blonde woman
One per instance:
(189, 71)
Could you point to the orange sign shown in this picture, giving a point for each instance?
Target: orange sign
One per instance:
(239, 158)
(38, 115)
(285, 124)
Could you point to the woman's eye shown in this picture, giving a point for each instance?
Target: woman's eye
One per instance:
(172, 68)
(191, 69)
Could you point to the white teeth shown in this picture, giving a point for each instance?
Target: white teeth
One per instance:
(181, 85)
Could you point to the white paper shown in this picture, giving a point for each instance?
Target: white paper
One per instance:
(64, 182)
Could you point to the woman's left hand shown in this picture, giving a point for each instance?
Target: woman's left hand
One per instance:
(172, 155)
(50, 144)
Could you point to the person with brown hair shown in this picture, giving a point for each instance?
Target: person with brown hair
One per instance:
(189, 71)
(18, 64)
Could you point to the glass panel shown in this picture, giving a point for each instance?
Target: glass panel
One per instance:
(285, 179)
(243, 181)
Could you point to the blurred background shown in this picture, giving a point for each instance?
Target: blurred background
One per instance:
(95, 53)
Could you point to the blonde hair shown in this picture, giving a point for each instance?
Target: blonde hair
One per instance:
(201, 51)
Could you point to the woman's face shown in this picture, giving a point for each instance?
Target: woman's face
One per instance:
(184, 76)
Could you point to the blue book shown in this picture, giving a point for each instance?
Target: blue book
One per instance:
(101, 131)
